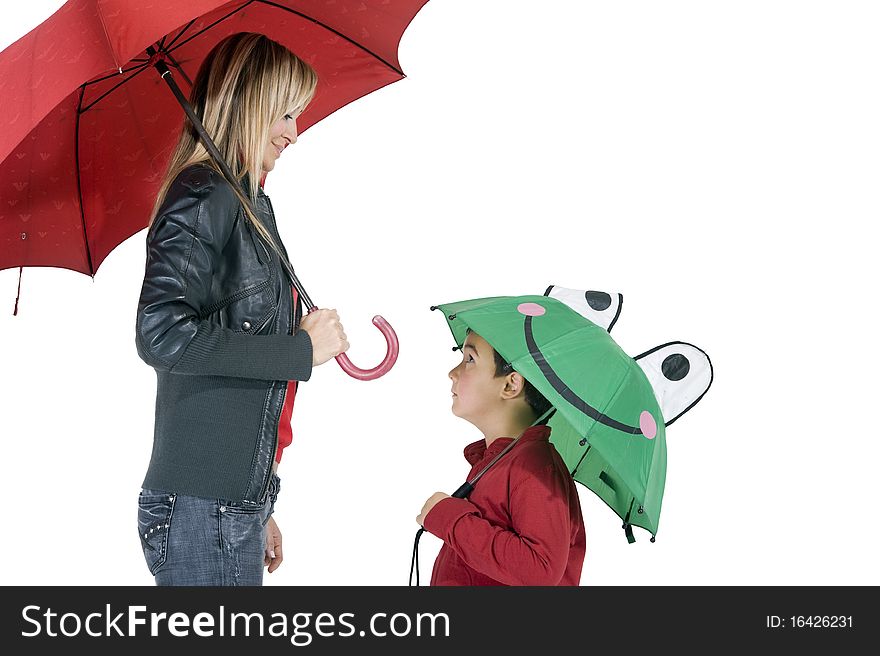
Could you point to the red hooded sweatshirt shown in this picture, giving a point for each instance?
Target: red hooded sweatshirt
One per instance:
(522, 523)
(285, 432)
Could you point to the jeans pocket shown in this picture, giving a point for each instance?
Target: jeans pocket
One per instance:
(155, 510)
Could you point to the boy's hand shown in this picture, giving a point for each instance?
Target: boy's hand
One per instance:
(432, 501)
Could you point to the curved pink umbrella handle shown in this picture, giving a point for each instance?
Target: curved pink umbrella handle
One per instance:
(383, 367)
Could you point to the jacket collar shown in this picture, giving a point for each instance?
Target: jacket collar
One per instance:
(477, 451)
(245, 185)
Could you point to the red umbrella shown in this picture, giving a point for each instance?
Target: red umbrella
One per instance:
(89, 124)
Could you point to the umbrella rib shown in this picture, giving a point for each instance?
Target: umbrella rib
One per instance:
(107, 37)
(574, 471)
(126, 70)
(564, 390)
(292, 11)
(82, 211)
(176, 65)
(140, 69)
(340, 34)
(203, 30)
(179, 34)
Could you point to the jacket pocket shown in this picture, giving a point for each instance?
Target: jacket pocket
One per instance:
(246, 311)
(155, 512)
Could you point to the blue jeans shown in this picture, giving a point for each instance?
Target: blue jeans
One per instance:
(194, 541)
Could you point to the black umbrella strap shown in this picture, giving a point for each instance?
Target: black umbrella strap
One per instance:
(627, 527)
(414, 563)
(539, 421)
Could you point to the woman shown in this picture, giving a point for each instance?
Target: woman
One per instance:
(223, 328)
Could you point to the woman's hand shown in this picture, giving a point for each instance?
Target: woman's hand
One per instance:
(325, 331)
(273, 557)
(432, 501)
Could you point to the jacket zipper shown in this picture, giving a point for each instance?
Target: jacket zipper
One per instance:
(291, 318)
(256, 289)
(265, 491)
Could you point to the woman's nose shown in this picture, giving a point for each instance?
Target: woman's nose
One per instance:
(290, 132)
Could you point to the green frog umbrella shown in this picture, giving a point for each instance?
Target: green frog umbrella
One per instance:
(611, 409)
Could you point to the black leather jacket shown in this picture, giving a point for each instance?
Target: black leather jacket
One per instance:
(216, 320)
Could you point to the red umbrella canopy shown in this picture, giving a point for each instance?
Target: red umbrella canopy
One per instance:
(89, 125)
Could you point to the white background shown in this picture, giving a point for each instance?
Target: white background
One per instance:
(717, 163)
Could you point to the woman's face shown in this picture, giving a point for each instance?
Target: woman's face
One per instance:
(281, 135)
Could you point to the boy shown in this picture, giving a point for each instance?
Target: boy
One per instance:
(521, 524)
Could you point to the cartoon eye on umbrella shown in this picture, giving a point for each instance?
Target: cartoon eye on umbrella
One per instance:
(87, 128)
(611, 410)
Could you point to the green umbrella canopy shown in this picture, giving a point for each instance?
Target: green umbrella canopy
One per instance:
(609, 426)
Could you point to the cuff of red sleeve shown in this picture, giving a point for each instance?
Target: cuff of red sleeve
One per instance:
(442, 517)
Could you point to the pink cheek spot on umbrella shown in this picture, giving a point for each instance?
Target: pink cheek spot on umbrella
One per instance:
(530, 309)
(647, 425)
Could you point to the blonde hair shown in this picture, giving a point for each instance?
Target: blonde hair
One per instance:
(245, 84)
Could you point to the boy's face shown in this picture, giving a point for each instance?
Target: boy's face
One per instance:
(475, 389)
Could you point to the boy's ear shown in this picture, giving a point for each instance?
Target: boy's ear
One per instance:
(514, 386)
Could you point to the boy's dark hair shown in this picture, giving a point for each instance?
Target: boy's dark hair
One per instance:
(537, 402)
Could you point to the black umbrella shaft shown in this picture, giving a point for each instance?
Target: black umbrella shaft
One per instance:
(466, 488)
(165, 73)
